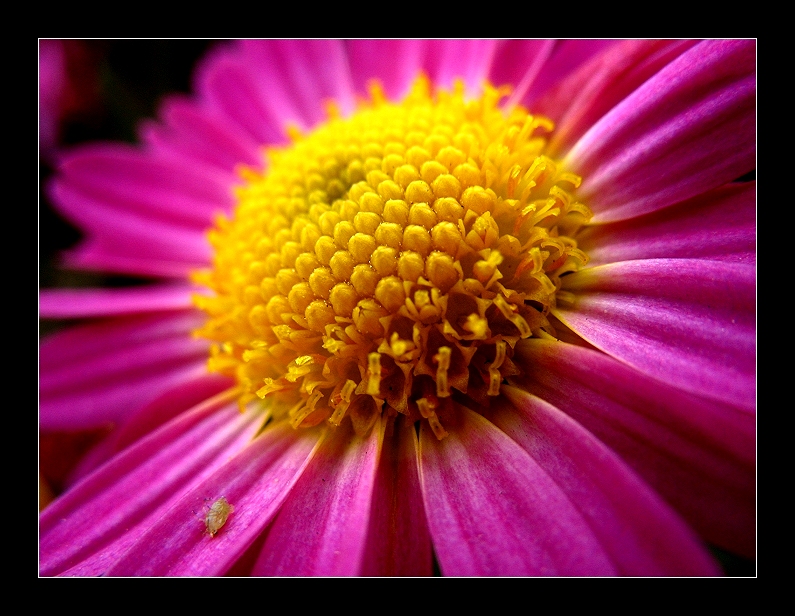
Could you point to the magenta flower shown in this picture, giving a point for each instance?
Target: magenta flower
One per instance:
(427, 325)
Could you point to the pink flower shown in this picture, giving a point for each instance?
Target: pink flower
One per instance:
(414, 353)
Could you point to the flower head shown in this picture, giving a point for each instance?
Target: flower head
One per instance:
(507, 326)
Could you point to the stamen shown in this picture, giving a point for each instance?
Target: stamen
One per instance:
(508, 312)
(442, 358)
(373, 374)
(345, 400)
(427, 407)
(495, 377)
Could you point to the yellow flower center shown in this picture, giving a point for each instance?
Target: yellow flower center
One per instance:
(389, 262)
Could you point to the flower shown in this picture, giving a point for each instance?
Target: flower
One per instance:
(437, 325)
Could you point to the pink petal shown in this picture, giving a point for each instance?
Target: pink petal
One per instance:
(586, 94)
(451, 59)
(102, 254)
(718, 225)
(231, 94)
(567, 56)
(191, 133)
(150, 417)
(52, 86)
(322, 528)
(698, 454)
(131, 181)
(132, 233)
(296, 78)
(521, 63)
(135, 487)
(515, 59)
(101, 372)
(395, 63)
(255, 482)
(688, 129)
(80, 303)
(85, 341)
(641, 534)
(689, 322)
(492, 510)
(397, 511)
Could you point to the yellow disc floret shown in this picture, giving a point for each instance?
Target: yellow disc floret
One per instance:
(389, 262)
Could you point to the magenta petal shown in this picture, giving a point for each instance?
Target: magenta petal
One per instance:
(85, 341)
(397, 511)
(567, 56)
(101, 372)
(125, 179)
(322, 528)
(698, 454)
(395, 63)
(53, 82)
(718, 225)
(101, 254)
(492, 510)
(134, 487)
(80, 303)
(688, 129)
(188, 132)
(583, 97)
(145, 420)
(689, 322)
(641, 534)
(519, 63)
(255, 482)
(470, 60)
(232, 93)
(131, 233)
(296, 78)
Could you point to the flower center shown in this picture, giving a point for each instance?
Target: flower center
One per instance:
(389, 262)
